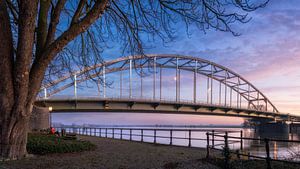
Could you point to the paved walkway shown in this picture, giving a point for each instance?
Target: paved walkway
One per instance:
(118, 154)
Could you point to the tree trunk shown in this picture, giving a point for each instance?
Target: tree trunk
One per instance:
(13, 133)
(21, 72)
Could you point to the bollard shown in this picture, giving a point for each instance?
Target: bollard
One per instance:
(207, 146)
(268, 159)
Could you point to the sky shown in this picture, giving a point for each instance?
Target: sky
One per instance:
(267, 53)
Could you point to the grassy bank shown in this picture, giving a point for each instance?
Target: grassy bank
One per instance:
(45, 144)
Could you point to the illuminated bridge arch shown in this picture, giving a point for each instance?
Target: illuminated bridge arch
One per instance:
(223, 86)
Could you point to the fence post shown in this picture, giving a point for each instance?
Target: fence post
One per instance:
(121, 134)
(95, 132)
(113, 133)
(241, 139)
(213, 139)
(154, 136)
(100, 134)
(268, 159)
(130, 134)
(171, 136)
(190, 135)
(207, 145)
(90, 131)
(142, 135)
(226, 150)
(105, 132)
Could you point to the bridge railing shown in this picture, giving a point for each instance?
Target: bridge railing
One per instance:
(227, 152)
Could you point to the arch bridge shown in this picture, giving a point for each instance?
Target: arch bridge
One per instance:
(160, 84)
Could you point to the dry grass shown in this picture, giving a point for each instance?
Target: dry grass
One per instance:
(118, 154)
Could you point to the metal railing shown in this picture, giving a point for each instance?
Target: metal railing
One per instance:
(227, 152)
(212, 136)
(141, 133)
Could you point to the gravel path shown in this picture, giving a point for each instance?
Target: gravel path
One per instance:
(118, 154)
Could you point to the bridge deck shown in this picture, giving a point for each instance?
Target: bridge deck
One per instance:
(151, 106)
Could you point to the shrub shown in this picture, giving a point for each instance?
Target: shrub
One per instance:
(45, 144)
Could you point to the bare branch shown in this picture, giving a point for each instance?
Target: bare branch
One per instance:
(40, 64)
(78, 11)
(42, 25)
(54, 21)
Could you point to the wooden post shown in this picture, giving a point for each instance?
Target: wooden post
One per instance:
(213, 138)
(207, 145)
(121, 134)
(226, 150)
(268, 159)
(130, 134)
(171, 136)
(190, 135)
(142, 135)
(100, 132)
(90, 131)
(154, 136)
(95, 131)
(105, 132)
(241, 140)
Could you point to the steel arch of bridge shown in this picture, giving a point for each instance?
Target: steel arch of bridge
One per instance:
(232, 81)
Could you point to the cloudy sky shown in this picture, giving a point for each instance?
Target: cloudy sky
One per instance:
(267, 54)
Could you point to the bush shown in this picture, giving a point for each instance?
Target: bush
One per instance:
(45, 144)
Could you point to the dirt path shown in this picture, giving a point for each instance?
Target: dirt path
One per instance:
(118, 154)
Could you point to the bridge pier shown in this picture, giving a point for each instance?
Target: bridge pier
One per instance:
(273, 129)
(39, 119)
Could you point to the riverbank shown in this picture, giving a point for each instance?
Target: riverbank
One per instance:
(118, 154)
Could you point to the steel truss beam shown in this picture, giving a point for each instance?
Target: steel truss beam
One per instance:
(204, 67)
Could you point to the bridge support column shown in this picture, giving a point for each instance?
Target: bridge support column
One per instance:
(273, 129)
(39, 119)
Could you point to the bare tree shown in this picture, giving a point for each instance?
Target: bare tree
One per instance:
(45, 38)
